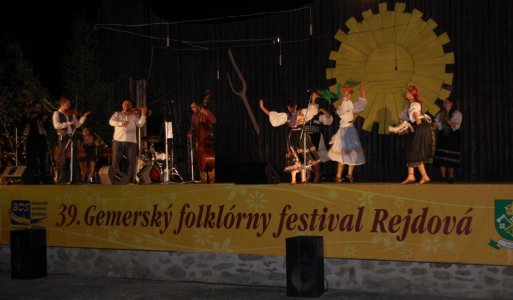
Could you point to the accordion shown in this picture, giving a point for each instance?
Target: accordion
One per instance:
(403, 128)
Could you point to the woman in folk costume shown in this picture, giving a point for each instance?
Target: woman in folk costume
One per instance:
(447, 153)
(313, 128)
(346, 148)
(420, 144)
(295, 118)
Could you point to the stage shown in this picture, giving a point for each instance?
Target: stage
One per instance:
(450, 240)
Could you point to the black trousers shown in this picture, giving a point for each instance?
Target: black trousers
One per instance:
(36, 158)
(65, 162)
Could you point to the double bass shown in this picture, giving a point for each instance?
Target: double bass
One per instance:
(205, 141)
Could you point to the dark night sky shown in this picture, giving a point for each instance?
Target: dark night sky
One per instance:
(44, 27)
(186, 10)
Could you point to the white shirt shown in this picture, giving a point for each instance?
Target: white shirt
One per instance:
(128, 133)
(58, 125)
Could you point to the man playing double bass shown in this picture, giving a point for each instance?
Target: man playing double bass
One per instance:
(201, 132)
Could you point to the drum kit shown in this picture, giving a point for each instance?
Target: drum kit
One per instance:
(157, 167)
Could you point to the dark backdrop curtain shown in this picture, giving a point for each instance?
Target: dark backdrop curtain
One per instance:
(480, 33)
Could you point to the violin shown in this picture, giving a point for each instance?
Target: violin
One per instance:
(133, 111)
(137, 111)
(70, 112)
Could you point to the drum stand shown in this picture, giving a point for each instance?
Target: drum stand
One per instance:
(170, 173)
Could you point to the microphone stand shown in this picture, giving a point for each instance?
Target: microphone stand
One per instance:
(191, 154)
(166, 170)
(16, 148)
(71, 156)
(169, 173)
(139, 165)
(303, 137)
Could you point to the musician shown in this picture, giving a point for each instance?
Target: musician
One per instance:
(125, 123)
(37, 124)
(201, 116)
(65, 121)
(91, 146)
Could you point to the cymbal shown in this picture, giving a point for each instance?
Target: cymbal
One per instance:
(151, 139)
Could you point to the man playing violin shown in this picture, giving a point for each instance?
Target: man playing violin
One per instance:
(65, 122)
(125, 124)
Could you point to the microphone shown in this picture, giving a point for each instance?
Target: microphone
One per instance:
(310, 91)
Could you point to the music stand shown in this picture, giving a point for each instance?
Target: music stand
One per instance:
(170, 173)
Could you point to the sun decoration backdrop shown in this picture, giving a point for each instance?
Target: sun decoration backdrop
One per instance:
(388, 51)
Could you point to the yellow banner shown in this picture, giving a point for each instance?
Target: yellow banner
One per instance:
(436, 223)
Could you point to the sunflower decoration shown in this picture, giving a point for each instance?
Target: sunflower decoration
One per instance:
(389, 51)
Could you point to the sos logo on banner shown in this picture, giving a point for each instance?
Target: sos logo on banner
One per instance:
(25, 213)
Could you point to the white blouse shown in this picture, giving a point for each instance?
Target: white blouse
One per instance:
(456, 119)
(280, 118)
(407, 114)
(325, 119)
(347, 109)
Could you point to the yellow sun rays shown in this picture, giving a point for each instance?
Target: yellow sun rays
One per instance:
(388, 51)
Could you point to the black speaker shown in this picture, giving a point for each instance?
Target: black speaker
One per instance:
(109, 175)
(28, 253)
(255, 173)
(305, 266)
